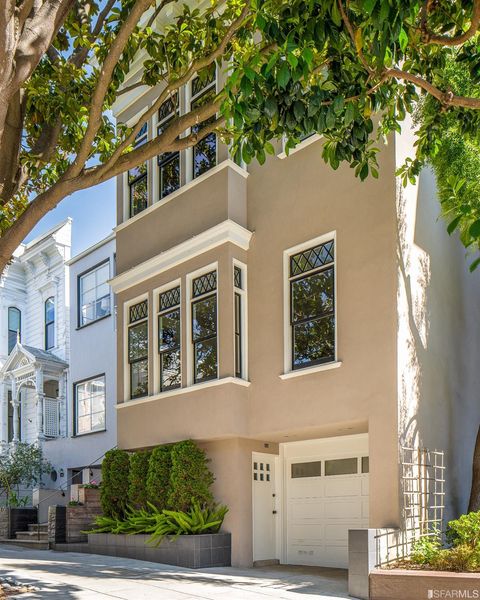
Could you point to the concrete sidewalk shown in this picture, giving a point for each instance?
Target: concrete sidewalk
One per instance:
(69, 576)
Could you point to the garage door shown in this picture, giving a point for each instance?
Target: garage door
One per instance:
(326, 495)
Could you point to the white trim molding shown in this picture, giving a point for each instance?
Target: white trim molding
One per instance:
(308, 141)
(126, 323)
(186, 390)
(310, 370)
(227, 231)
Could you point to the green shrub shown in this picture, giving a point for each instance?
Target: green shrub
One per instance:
(190, 477)
(465, 530)
(137, 479)
(114, 488)
(462, 558)
(426, 549)
(158, 477)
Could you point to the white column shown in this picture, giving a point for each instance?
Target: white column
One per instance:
(39, 396)
(3, 412)
(16, 422)
(61, 405)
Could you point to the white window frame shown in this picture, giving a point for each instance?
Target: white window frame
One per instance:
(310, 139)
(50, 297)
(188, 307)
(75, 400)
(95, 268)
(124, 176)
(156, 170)
(288, 371)
(189, 151)
(156, 363)
(243, 292)
(126, 364)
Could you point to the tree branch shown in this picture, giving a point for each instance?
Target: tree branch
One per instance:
(353, 37)
(445, 40)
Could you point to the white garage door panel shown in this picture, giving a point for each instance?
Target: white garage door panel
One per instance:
(343, 486)
(321, 510)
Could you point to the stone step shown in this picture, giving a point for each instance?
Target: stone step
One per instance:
(38, 527)
(32, 544)
(31, 535)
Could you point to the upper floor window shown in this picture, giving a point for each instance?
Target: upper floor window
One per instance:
(94, 294)
(90, 405)
(138, 348)
(49, 323)
(168, 162)
(138, 178)
(14, 326)
(203, 90)
(240, 316)
(204, 327)
(169, 339)
(312, 305)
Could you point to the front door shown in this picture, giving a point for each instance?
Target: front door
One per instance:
(264, 524)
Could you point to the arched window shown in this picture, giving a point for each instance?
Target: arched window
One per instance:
(49, 323)
(14, 326)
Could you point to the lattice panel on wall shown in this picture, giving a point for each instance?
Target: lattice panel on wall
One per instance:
(51, 417)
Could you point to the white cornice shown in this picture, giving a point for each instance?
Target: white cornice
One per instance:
(90, 249)
(227, 231)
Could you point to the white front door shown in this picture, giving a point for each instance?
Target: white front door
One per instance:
(326, 495)
(264, 512)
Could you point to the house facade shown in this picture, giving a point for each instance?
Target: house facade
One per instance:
(57, 377)
(303, 327)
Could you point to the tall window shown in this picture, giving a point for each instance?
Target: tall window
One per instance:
(138, 349)
(90, 405)
(94, 294)
(169, 339)
(204, 327)
(239, 298)
(312, 305)
(10, 425)
(137, 179)
(14, 326)
(49, 323)
(203, 90)
(168, 162)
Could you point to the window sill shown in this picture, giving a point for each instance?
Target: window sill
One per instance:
(310, 370)
(306, 142)
(79, 435)
(93, 322)
(185, 390)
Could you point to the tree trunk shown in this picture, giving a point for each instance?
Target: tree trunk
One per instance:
(474, 503)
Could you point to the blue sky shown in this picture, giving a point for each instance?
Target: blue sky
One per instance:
(93, 214)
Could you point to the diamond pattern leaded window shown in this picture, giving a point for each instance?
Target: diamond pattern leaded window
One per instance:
(203, 81)
(313, 258)
(139, 311)
(168, 108)
(170, 298)
(237, 277)
(204, 284)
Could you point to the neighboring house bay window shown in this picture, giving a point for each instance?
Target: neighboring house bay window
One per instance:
(168, 162)
(94, 294)
(169, 339)
(204, 327)
(203, 90)
(90, 405)
(14, 326)
(138, 349)
(49, 323)
(312, 305)
(138, 180)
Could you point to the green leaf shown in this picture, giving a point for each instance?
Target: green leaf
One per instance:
(474, 265)
(453, 225)
(338, 104)
(368, 6)
(349, 113)
(271, 107)
(403, 39)
(299, 110)
(474, 229)
(283, 75)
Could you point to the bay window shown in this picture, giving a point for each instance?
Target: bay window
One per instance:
(204, 327)
(168, 162)
(138, 179)
(203, 90)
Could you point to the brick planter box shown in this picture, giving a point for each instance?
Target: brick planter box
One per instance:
(90, 496)
(398, 584)
(16, 519)
(192, 551)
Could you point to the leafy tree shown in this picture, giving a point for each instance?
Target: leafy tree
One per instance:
(190, 477)
(115, 481)
(21, 465)
(297, 66)
(137, 479)
(158, 476)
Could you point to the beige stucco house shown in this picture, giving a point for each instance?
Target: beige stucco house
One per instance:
(300, 325)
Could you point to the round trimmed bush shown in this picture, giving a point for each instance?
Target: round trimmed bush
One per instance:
(114, 488)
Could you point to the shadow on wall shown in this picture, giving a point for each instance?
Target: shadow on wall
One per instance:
(439, 404)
